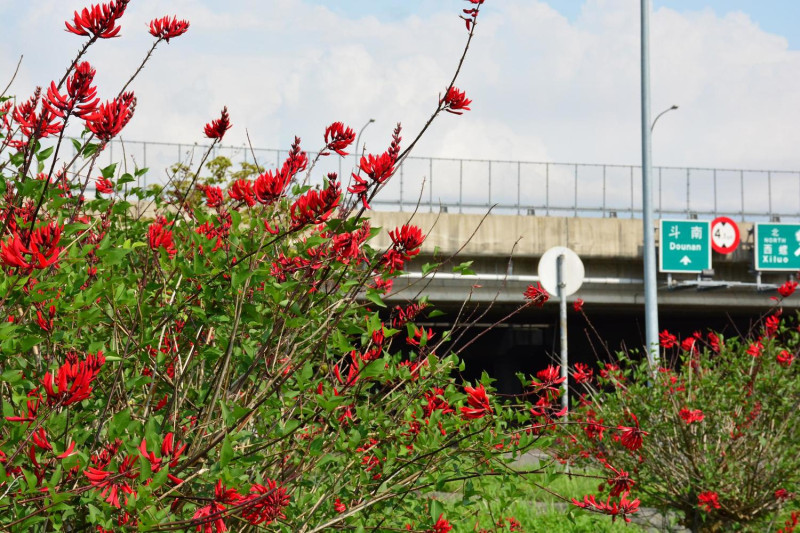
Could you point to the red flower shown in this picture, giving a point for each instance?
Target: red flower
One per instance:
(577, 305)
(472, 13)
(209, 518)
(689, 416)
(536, 294)
(631, 436)
(166, 29)
(99, 21)
(80, 99)
(170, 454)
(787, 289)
(315, 207)
(582, 373)
(689, 344)
(550, 379)
(478, 401)
(270, 186)
(455, 101)
(73, 379)
(337, 138)
(103, 185)
(12, 253)
(436, 402)
(714, 341)
(708, 500)
(214, 196)
(441, 526)
(109, 118)
(338, 506)
(112, 484)
(33, 124)
(407, 240)
(667, 339)
(755, 349)
(785, 358)
(160, 237)
(217, 128)
(619, 484)
(242, 191)
(622, 508)
(265, 503)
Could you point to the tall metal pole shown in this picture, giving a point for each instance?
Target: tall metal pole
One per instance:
(650, 280)
(562, 304)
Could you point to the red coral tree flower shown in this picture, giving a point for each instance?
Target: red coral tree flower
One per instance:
(622, 508)
(315, 207)
(216, 128)
(73, 380)
(103, 185)
(787, 289)
(667, 339)
(338, 137)
(265, 503)
(81, 97)
(166, 28)
(536, 295)
(112, 484)
(708, 500)
(107, 121)
(691, 415)
(582, 373)
(98, 21)
(160, 237)
(441, 526)
(785, 358)
(242, 191)
(631, 436)
(478, 403)
(455, 101)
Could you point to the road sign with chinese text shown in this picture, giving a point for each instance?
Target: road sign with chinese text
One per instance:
(685, 246)
(777, 246)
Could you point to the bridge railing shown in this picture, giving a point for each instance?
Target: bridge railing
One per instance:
(523, 187)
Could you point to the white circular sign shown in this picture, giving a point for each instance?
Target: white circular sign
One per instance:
(573, 270)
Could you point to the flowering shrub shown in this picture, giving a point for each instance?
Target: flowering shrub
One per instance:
(226, 360)
(718, 421)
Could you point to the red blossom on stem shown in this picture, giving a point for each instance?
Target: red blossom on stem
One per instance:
(691, 415)
(216, 128)
(471, 14)
(582, 373)
(478, 403)
(631, 436)
(166, 28)
(107, 121)
(577, 305)
(441, 526)
(708, 500)
(36, 124)
(99, 21)
(338, 137)
(270, 186)
(787, 289)
(621, 483)
(622, 508)
(338, 506)
(536, 295)
(315, 207)
(455, 101)
(73, 380)
(112, 484)
(160, 237)
(785, 358)
(81, 98)
(103, 185)
(667, 339)
(266, 503)
(242, 191)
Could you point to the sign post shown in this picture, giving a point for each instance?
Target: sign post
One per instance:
(777, 247)
(561, 272)
(685, 246)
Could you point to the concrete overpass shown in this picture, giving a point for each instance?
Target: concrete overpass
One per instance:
(505, 250)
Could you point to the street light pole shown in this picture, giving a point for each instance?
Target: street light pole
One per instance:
(667, 110)
(358, 139)
(650, 279)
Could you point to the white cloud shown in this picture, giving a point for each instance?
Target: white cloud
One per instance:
(543, 87)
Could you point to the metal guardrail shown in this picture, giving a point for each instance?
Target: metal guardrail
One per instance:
(523, 187)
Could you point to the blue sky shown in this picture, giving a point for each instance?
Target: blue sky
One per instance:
(775, 16)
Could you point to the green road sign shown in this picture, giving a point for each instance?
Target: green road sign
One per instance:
(685, 245)
(777, 247)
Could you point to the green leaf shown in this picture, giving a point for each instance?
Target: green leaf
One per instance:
(375, 297)
(225, 453)
(45, 154)
(436, 510)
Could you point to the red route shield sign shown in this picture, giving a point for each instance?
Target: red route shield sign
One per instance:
(724, 235)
